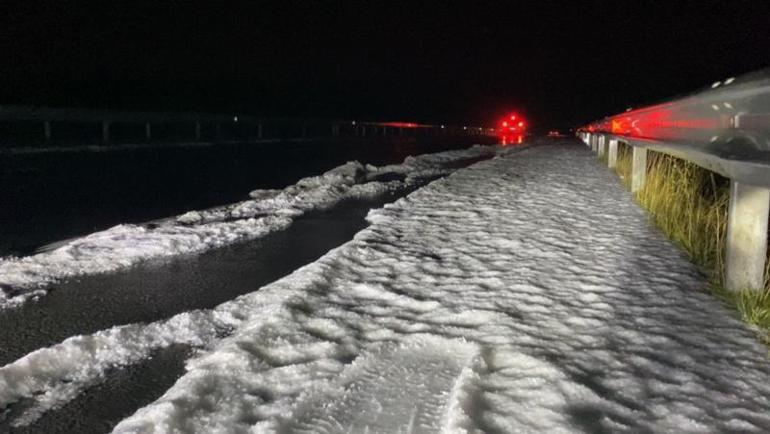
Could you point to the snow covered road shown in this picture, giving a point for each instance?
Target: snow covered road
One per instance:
(524, 293)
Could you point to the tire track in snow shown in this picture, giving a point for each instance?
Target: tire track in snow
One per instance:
(406, 388)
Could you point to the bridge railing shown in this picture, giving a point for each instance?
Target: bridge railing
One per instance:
(33, 126)
(724, 128)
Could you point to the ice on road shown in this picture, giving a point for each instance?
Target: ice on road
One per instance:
(524, 293)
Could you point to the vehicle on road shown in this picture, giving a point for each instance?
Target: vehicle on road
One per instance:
(513, 128)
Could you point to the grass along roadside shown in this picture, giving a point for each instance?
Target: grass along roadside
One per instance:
(689, 204)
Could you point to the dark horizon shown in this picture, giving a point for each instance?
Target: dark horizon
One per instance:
(559, 64)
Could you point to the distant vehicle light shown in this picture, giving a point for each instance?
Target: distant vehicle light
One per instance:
(399, 124)
(512, 132)
(235, 118)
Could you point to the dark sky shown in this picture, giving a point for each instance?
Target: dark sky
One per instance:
(560, 63)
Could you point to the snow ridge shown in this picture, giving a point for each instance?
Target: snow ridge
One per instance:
(51, 377)
(195, 231)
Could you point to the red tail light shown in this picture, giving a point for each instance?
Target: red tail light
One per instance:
(512, 130)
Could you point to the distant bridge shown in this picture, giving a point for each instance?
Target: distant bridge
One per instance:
(38, 126)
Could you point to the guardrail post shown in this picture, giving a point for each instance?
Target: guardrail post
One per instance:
(602, 140)
(746, 249)
(148, 130)
(47, 130)
(594, 143)
(106, 131)
(612, 154)
(638, 169)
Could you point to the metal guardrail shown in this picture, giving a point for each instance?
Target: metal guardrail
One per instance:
(37, 125)
(724, 128)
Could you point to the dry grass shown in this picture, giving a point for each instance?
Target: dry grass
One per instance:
(689, 204)
(753, 307)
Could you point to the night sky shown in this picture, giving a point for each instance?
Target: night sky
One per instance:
(456, 62)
